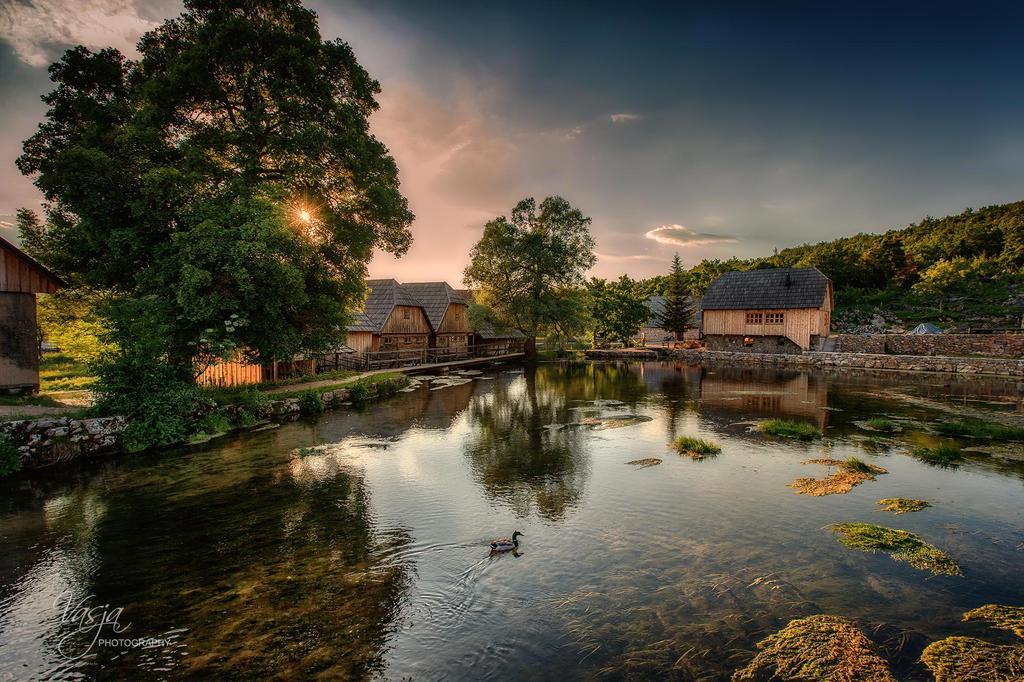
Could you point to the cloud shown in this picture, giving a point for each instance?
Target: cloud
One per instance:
(624, 118)
(614, 258)
(679, 235)
(39, 29)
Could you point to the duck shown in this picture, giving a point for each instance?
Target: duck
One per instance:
(505, 544)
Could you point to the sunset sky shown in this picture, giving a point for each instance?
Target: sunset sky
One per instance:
(702, 128)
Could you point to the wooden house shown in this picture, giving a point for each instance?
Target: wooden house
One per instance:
(447, 312)
(391, 319)
(21, 278)
(781, 310)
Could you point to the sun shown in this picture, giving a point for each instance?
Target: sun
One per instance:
(304, 215)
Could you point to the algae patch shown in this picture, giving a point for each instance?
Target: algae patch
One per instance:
(616, 421)
(790, 429)
(697, 448)
(967, 658)
(941, 455)
(646, 462)
(899, 544)
(817, 648)
(848, 473)
(902, 505)
(1010, 618)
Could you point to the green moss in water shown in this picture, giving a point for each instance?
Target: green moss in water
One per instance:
(817, 648)
(979, 429)
(902, 505)
(955, 659)
(697, 448)
(899, 544)
(942, 455)
(1010, 618)
(882, 424)
(790, 429)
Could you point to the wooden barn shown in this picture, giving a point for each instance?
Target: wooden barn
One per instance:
(447, 312)
(391, 319)
(21, 278)
(782, 310)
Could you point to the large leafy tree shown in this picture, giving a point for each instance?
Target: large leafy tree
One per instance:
(527, 267)
(615, 310)
(226, 181)
(677, 315)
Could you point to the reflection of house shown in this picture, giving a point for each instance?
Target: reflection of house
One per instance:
(447, 312)
(652, 333)
(761, 393)
(391, 319)
(781, 310)
(21, 278)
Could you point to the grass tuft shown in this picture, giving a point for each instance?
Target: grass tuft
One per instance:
(882, 424)
(790, 429)
(941, 455)
(902, 505)
(697, 448)
(899, 544)
(979, 429)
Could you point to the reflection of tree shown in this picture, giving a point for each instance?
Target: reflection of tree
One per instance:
(273, 572)
(525, 448)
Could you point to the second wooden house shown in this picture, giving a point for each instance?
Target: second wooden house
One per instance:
(391, 319)
(447, 312)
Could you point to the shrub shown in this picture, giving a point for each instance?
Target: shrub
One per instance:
(10, 460)
(882, 424)
(252, 406)
(944, 455)
(310, 402)
(358, 393)
(215, 422)
(790, 429)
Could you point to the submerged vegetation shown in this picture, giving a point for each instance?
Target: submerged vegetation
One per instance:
(882, 424)
(942, 455)
(1009, 618)
(817, 648)
(646, 462)
(899, 544)
(979, 429)
(849, 473)
(790, 429)
(902, 505)
(967, 658)
(697, 448)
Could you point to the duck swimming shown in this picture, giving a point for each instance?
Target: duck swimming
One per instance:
(505, 544)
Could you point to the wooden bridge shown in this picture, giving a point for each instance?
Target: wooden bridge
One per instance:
(413, 357)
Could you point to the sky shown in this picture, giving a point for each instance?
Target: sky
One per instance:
(710, 129)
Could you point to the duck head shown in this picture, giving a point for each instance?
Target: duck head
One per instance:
(515, 537)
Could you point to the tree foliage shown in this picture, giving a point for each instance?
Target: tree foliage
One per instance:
(227, 177)
(526, 267)
(615, 310)
(677, 315)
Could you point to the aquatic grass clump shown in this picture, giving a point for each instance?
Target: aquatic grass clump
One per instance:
(790, 429)
(979, 429)
(882, 424)
(941, 455)
(646, 462)
(697, 448)
(817, 648)
(954, 659)
(1009, 618)
(849, 473)
(902, 505)
(899, 544)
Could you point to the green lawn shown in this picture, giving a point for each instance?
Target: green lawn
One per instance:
(63, 373)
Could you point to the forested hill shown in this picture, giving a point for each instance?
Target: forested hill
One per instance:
(958, 271)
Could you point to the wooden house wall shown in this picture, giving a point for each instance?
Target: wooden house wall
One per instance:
(406, 320)
(19, 342)
(360, 342)
(799, 324)
(456, 320)
(22, 276)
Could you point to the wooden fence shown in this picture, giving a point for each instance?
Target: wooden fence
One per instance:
(387, 359)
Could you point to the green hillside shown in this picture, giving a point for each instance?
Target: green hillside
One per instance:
(959, 271)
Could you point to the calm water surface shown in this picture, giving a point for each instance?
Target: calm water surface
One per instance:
(366, 556)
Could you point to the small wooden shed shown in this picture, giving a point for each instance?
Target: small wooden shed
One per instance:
(778, 310)
(391, 319)
(447, 312)
(21, 278)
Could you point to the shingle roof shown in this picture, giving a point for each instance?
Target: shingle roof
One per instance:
(384, 295)
(766, 289)
(434, 297)
(656, 307)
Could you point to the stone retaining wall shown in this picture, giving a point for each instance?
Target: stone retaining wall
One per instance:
(1004, 367)
(995, 345)
(43, 442)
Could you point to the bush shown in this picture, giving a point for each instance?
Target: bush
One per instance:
(359, 392)
(10, 460)
(790, 429)
(310, 402)
(252, 406)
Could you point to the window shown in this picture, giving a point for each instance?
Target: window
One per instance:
(405, 314)
(754, 318)
(775, 318)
